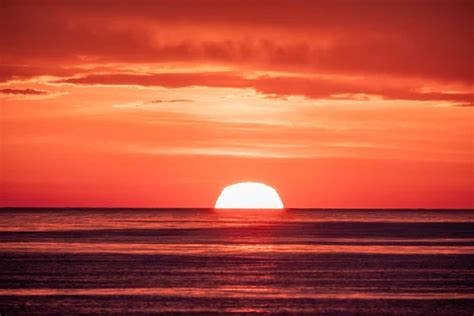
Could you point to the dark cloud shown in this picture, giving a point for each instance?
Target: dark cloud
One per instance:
(430, 39)
(23, 91)
(278, 87)
(425, 40)
(167, 80)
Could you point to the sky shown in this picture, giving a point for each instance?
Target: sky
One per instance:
(335, 104)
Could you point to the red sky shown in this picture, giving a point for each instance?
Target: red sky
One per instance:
(163, 103)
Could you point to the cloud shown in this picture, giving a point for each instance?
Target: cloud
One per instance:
(23, 91)
(144, 103)
(465, 104)
(25, 72)
(167, 80)
(167, 101)
(284, 86)
(317, 88)
(279, 48)
(428, 39)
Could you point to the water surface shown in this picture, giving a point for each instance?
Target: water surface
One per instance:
(71, 261)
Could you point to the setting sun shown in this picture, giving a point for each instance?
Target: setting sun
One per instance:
(249, 195)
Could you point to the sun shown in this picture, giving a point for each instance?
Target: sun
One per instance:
(249, 195)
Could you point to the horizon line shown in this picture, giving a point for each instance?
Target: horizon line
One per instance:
(244, 209)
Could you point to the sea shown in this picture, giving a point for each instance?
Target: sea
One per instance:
(236, 262)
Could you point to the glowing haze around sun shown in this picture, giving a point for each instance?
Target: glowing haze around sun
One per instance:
(249, 195)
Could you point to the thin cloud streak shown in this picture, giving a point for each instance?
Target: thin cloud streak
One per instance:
(313, 88)
(23, 91)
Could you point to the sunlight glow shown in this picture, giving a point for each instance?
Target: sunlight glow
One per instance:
(249, 195)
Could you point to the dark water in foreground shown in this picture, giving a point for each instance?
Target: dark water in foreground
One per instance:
(373, 262)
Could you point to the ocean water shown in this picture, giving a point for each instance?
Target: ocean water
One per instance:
(203, 261)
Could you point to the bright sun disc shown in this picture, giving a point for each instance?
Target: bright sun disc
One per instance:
(249, 195)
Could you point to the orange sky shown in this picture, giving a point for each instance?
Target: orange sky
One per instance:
(163, 103)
